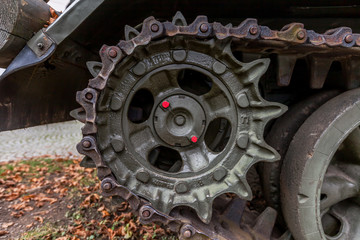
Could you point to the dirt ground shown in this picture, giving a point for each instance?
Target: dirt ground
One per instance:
(55, 198)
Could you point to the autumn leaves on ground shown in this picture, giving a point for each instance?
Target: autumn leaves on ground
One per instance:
(54, 198)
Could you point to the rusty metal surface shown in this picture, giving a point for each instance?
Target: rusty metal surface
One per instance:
(291, 34)
(293, 41)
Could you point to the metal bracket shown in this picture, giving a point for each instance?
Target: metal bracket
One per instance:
(40, 43)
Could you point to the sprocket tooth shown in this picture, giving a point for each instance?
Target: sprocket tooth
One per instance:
(203, 209)
(270, 112)
(179, 19)
(242, 188)
(130, 32)
(254, 70)
(262, 152)
(79, 114)
(94, 67)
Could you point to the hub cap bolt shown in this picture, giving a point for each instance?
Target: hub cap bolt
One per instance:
(107, 186)
(88, 96)
(86, 144)
(165, 104)
(253, 30)
(301, 35)
(40, 46)
(179, 120)
(194, 139)
(204, 28)
(112, 53)
(146, 213)
(155, 27)
(349, 38)
(187, 233)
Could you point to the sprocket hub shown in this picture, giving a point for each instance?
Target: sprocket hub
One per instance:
(181, 121)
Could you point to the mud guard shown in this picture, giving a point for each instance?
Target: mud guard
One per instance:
(34, 90)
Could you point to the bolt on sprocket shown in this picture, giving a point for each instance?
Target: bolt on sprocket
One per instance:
(181, 120)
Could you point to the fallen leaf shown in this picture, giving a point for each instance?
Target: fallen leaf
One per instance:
(39, 219)
(12, 196)
(2, 233)
(18, 206)
(42, 212)
(39, 204)
(29, 225)
(6, 225)
(28, 209)
(28, 197)
(102, 207)
(17, 214)
(105, 213)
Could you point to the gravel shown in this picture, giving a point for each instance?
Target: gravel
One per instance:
(57, 139)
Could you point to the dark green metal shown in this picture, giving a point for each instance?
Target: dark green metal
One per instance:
(203, 174)
(320, 175)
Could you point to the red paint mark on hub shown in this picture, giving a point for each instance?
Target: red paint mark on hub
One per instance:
(194, 139)
(165, 104)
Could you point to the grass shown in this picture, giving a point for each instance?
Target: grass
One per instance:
(51, 164)
(4, 168)
(47, 230)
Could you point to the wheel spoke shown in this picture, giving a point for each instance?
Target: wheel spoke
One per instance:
(337, 186)
(347, 213)
(160, 82)
(142, 139)
(223, 112)
(134, 128)
(194, 159)
(217, 103)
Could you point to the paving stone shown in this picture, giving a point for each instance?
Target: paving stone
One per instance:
(54, 139)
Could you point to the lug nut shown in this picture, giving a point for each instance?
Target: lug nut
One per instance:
(146, 213)
(194, 139)
(300, 35)
(155, 27)
(253, 30)
(88, 96)
(86, 144)
(187, 233)
(179, 120)
(112, 53)
(204, 28)
(107, 186)
(165, 104)
(349, 38)
(40, 45)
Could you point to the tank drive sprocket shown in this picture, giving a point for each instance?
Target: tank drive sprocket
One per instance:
(181, 120)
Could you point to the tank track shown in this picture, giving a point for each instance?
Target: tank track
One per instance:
(291, 39)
